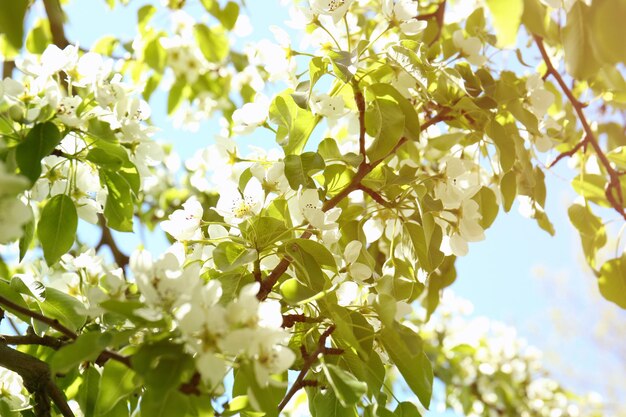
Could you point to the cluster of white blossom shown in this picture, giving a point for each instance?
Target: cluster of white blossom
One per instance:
(487, 362)
(13, 212)
(216, 332)
(79, 91)
(461, 217)
(85, 276)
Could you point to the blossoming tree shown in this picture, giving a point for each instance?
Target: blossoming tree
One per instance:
(304, 277)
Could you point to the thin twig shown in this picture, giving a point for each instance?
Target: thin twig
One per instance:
(309, 360)
(32, 339)
(438, 15)
(54, 323)
(364, 168)
(289, 320)
(614, 186)
(121, 259)
(360, 105)
(375, 196)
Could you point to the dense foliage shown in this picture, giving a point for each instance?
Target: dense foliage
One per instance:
(305, 277)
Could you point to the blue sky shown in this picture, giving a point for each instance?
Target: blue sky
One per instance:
(497, 275)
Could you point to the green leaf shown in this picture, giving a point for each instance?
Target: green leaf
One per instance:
(228, 15)
(263, 398)
(317, 68)
(580, 60)
(88, 392)
(175, 96)
(39, 37)
(591, 229)
(12, 13)
(328, 405)
(264, 231)
(86, 348)
(507, 16)
(144, 14)
(117, 382)
(66, 309)
(612, 281)
(295, 292)
(405, 350)
(406, 409)
(154, 54)
(108, 155)
(348, 389)
(488, 204)
(308, 270)
(10, 293)
(40, 142)
(163, 365)
(229, 255)
(388, 117)
(300, 168)
(322, 255)
(607, 31)
(504, 144)
(508, 188)
(535, 17)
(295, 124)
(213, 42)
(57, 226)
(426, 239)
(27, 237)
(119, 208)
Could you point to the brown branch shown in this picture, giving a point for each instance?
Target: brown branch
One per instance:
(32, 339)
(375, 196)
(360, 105)
(363, 169)
(121, 259)
(309, 360)
(582, 143)
(56, 18)
(37, 380)
(614, 186)
(7, 69)
(54, 323)
(289, 320)
(438, 15)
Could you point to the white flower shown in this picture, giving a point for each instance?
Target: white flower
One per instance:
(11, 184)
(469, 230)
(66, 111)
(356, 270)
(540, 99)
(251, 115)
(327, 106)
(461, 181)
(469, 47)
(13, 216)
(273, 179)
(235, 208)
(185, 224)
(404, 11)
(333, 8)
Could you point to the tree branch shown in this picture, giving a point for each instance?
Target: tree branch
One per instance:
(37, 380)
(309, 360)
(360, 105)
(121, 259)
(55, 17)
(7, 68)
(39, 317)
(55, 324)
(613, 190)
(375, 196)
(438, 15)
(32, 339)
(363, 169)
